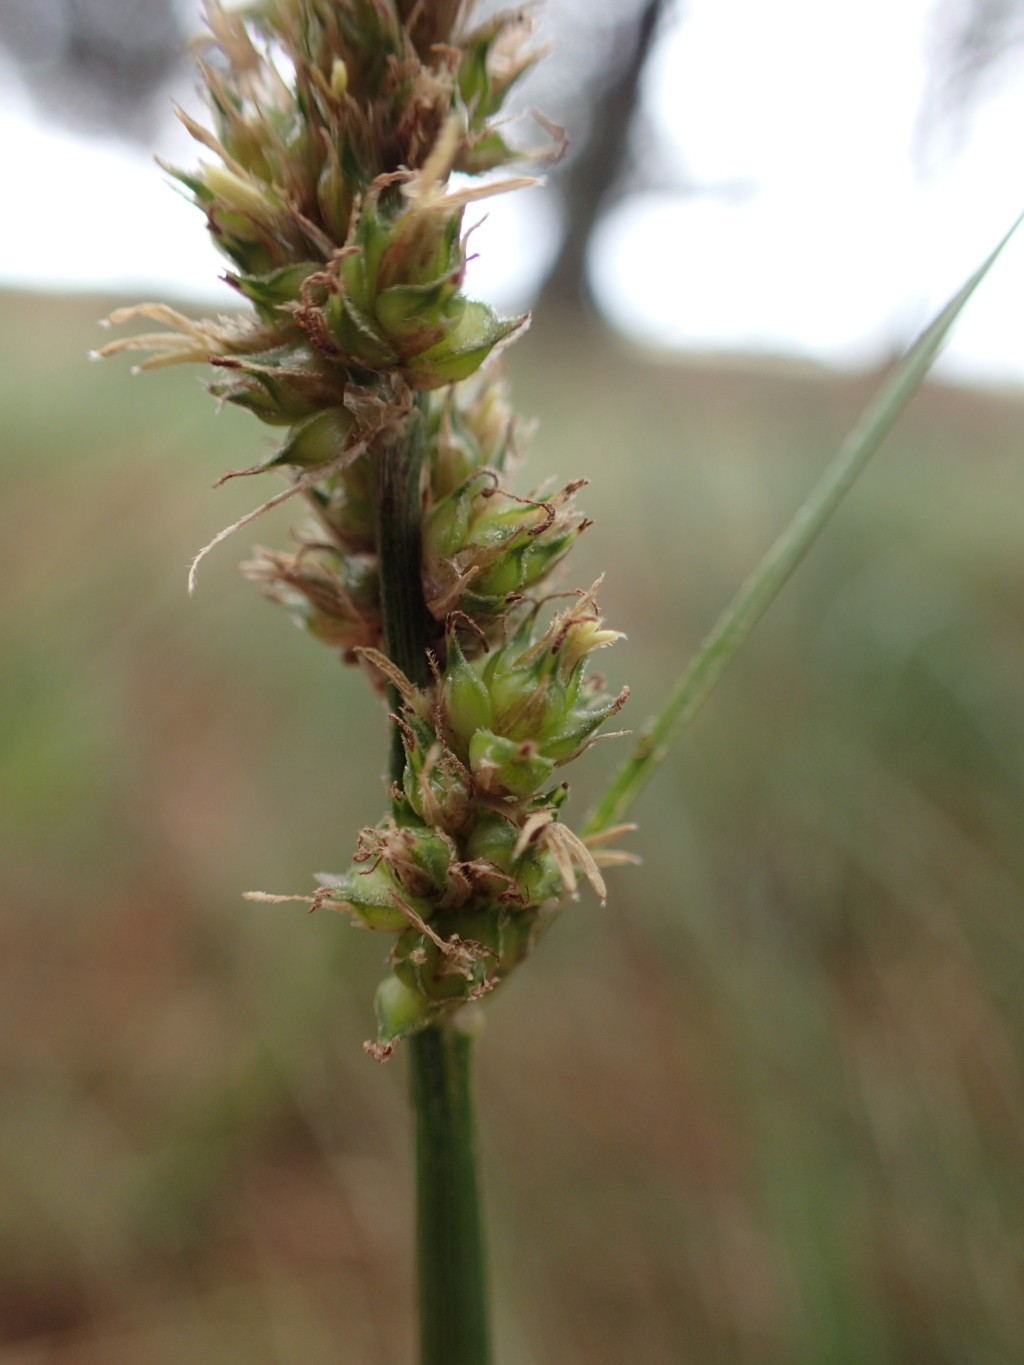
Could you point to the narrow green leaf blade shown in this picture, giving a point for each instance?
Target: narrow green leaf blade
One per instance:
(763, 585)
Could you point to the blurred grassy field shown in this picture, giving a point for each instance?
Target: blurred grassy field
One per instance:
(766, 1106)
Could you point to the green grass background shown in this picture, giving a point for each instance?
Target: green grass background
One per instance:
(763, 1107)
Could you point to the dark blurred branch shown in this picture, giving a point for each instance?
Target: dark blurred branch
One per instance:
(590, 178)
(970, 44)
(97, 62)
(985, 33)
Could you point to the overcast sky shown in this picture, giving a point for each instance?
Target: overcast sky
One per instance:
(816, 232)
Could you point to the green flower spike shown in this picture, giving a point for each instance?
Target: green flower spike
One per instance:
(327, 181)
(474, 859)
(328, 192)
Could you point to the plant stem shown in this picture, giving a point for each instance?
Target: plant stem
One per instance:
(403, 610)
(454, 1326)
(453, 1307)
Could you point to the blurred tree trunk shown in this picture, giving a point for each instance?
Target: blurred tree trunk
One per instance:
(589, 181)
(98, 64)
(971, 46)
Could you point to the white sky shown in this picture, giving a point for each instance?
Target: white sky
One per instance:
(816, 234)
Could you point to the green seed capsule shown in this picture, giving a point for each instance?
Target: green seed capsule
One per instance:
(258, 398)
(243, 195)
(447, 526)
(493, 840)
(463, 350)
(526, 704)
(542, 555)
(465, 699)
(507, 767)
(279, 401)
(575, 729)
(268, 292)
(423, 857)
(318, 440)
(423, 967)
(374, 897)
(334, 197)
(540, 878)
(356, 333)
(401, 1010)
(504, 576)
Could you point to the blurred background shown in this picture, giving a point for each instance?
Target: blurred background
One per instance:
(766, 1105)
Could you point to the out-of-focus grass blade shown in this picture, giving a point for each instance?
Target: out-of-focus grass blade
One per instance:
(759, 590)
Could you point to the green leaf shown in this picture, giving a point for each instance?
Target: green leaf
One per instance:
(756, 595)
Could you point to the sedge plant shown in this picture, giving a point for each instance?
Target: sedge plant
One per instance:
(348, 139)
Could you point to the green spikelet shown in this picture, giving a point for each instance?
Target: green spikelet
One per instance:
(475, 855)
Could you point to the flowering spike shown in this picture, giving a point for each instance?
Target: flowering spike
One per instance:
(335, 129)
